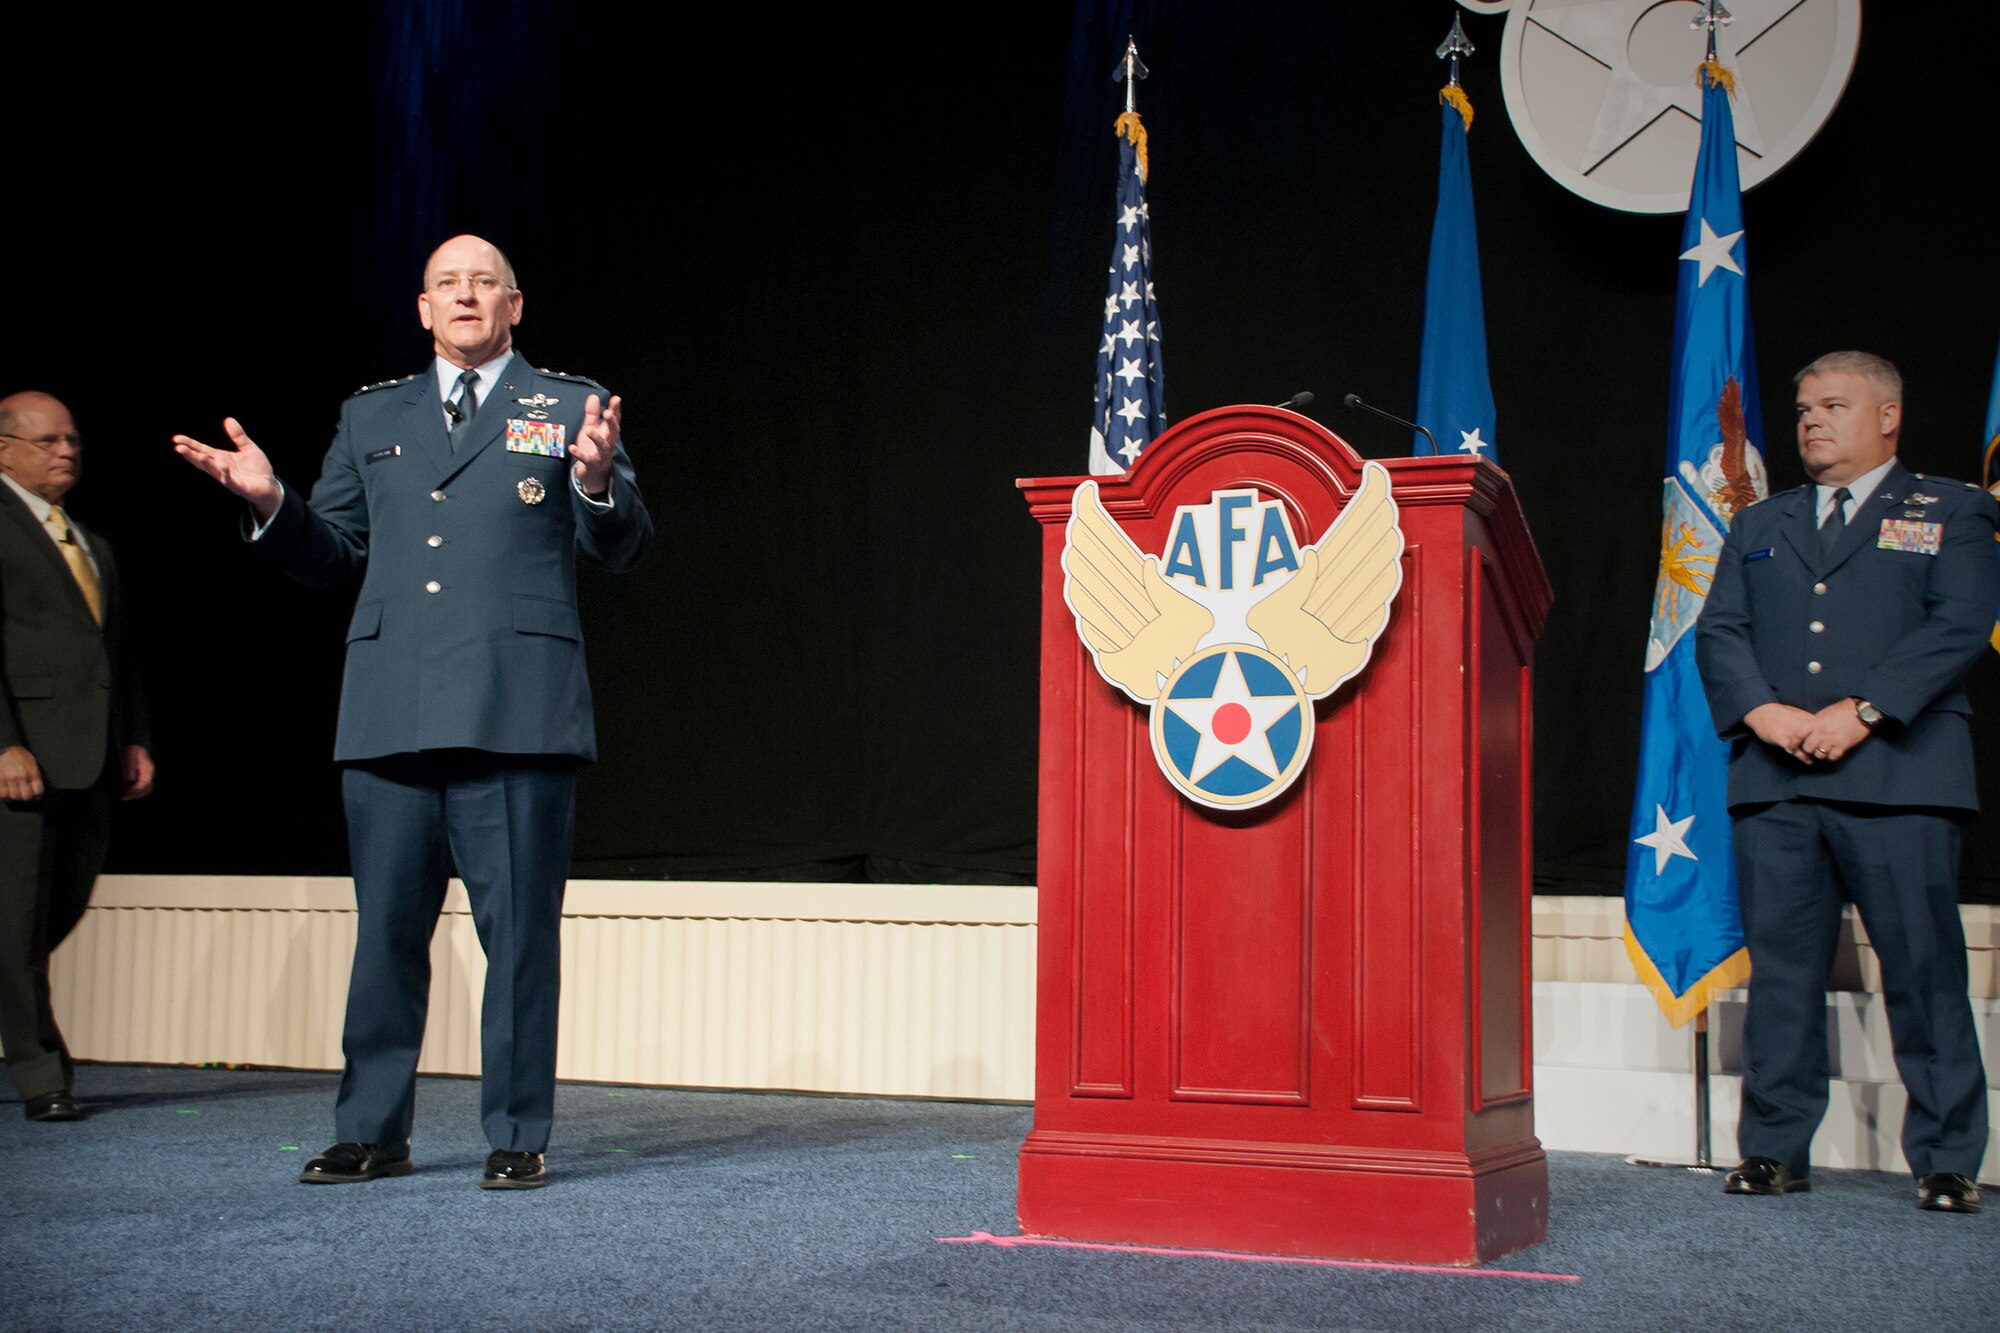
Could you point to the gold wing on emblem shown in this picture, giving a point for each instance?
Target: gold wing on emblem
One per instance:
(1325, 619)
(1137, 624)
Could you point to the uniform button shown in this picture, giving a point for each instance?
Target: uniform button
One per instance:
(438, 496)
(1819, 589)
(435, 586)
(1812, 667)
(1817, 627)
(434, 540)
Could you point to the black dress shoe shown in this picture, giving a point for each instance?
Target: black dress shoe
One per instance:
(62, 1106)
(509, 1170)
(1947, 1192)
(351, 1163)
(1764, 1175)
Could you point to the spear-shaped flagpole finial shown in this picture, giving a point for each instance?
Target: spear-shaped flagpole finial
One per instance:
(1131, 69)
(1455, 44)
(1712, 16)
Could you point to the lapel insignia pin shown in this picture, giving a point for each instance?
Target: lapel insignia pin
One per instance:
(530, 490)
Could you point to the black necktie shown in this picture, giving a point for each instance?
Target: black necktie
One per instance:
(465, 406)
(1836, 522)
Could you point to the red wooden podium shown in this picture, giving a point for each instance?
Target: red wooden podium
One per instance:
(1303, 1028)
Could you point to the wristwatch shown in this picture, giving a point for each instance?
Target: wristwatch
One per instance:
(1871, 716)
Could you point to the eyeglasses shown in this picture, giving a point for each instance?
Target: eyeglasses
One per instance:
(48, 443)
(449, 284)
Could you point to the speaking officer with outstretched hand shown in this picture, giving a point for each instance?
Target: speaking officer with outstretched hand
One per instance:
(464, 495)
(1834, 647)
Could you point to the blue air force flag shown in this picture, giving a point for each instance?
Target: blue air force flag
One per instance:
(1130, 399)
(1683, 931)
(1989, 467)
(1454, 393)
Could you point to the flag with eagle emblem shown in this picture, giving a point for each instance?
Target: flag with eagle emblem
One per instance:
(1683, 930)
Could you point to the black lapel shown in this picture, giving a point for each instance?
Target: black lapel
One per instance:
(38, 537)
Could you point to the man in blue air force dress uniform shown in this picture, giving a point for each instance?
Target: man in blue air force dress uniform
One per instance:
(1834, 647)
(464, 495)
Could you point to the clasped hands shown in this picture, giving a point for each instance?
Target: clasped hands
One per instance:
(1811, 738)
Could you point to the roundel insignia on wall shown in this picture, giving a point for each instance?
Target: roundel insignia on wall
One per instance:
(1604, 98)
(1232, 632)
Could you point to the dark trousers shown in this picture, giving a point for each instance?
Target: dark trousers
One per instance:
(50, 853)
(1900, 868)
(506, 822)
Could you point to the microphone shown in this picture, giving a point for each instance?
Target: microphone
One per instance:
(1354, 400)
(457, 413)
(1298, 402)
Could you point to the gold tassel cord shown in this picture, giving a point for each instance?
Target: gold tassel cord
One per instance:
(1129, 127)
(1712, 73)
(1455, 95)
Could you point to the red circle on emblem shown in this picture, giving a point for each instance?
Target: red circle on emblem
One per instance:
(1230, 724)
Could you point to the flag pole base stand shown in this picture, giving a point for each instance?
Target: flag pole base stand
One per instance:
(1703, 1163)
(1699, 1168)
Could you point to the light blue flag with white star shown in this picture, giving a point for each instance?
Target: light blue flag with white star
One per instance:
(1454, 394)
(1129, 410)
(1989, 466)
(1683, 930)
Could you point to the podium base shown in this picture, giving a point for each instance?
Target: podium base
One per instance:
(1263, 1198)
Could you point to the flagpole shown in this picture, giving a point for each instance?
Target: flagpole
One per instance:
(1713, 16)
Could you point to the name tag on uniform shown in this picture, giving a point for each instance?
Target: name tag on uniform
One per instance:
(546, 438)
(1902, 534)
(1764, 554)
(393, 451)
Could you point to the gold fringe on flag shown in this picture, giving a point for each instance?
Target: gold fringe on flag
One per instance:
(1712, 73)
(1455, 95)
(1731, 972)
(1128, 127)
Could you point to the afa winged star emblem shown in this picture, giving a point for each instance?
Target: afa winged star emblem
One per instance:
(1234, 632)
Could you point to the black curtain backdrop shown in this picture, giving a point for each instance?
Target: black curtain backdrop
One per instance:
(846, 269)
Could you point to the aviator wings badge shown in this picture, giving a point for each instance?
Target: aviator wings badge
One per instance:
(1237, 630)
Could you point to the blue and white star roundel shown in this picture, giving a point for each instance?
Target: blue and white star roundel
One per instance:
(1232, 727)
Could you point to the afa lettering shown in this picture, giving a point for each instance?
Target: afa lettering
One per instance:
(1274, 549)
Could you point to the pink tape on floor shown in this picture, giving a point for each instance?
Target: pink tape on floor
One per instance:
(1013, 1242)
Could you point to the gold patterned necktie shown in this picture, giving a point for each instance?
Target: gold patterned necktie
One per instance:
(79, 563)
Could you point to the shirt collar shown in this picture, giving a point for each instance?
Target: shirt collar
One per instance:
(1859, 489)
(36, 504)
(489, 375)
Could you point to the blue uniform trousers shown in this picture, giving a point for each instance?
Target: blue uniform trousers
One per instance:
(1899, 866)
(507, 823)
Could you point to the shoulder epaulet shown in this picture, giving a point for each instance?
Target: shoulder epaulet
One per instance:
(381, 384)
(1948, 481)
(565, 375)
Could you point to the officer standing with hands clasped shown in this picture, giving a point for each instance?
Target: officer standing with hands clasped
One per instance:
(1841, 625)
(464, 495)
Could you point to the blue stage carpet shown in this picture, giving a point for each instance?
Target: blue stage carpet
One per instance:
(174, 1206)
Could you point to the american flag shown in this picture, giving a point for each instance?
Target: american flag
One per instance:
(1129, 402)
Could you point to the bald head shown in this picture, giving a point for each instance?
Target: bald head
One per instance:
(39, 445)
(480, 251)
(469, 302)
